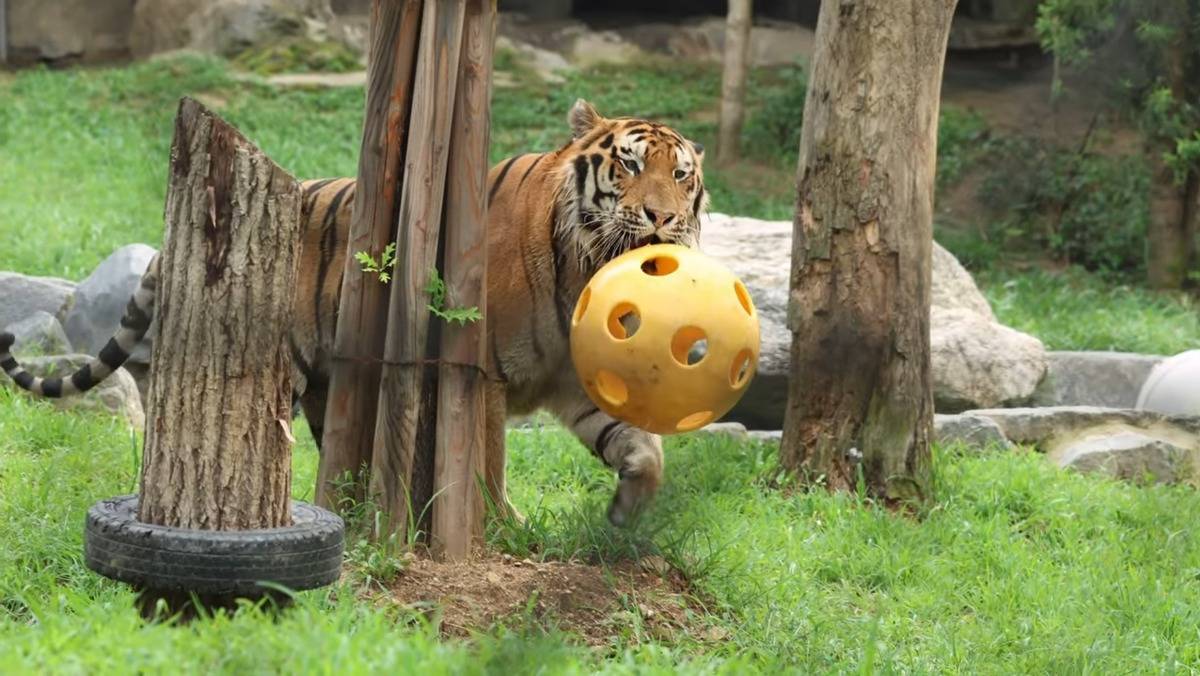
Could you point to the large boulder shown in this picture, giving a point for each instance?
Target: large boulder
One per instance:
(116, 394)
(979, 363)
(100, 301)
(39, 334)
(1108, 379)
(22, 297)
(68, 29)
(976, 361)
(223, 27)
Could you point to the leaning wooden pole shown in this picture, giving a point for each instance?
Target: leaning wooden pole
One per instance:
(459, 453)
(349, 425)
(218, 446)
(404, 428)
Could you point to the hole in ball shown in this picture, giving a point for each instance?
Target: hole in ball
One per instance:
(624, 321)
(743, 297)
(739, 372)
(581, 306)
(611, 388)
(689, 345)
(658, 266)
(694, 421)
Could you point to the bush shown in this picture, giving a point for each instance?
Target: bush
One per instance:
(773, 130)
(1084, 209)
(960, 132)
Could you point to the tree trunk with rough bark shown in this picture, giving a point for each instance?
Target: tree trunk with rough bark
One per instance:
(733, 80)
(860, 387)
(218, 443)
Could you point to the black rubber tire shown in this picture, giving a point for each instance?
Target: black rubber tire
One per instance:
(304, 555)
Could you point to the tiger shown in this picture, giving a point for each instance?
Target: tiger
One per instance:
(553, 219)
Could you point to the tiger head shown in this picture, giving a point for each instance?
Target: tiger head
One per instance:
(629, 182)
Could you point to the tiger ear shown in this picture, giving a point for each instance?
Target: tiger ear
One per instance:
(699, 150)
(582, 118)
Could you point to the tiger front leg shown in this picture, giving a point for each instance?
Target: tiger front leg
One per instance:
(635, 454)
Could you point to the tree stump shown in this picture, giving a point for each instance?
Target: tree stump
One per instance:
(215, 519)
(861, 249)
(218, 447)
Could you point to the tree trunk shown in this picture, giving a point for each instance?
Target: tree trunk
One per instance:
(218, 446)
(1167, 234)
(349, 425)
(402, 460)
(733, 80)
(862, 239)
(458, 505)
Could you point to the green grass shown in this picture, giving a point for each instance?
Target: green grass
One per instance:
(1073, 310)
(1017, 568)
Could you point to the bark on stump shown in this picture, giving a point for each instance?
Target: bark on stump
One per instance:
(218, 443)
(859, 305)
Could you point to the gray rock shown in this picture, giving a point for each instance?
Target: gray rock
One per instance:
(1049, 427)
(979, 363)
(116, 394)
(548, 65)
(972, 431)
(77, 29)
(39, 334)
(1108, 379)
(953, 287)
(100, 301)
(732, 429)
(1130, 456)
(223, 27)
(769, 436)
(22, 297)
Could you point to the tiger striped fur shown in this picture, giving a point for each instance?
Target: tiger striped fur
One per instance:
(553, 219)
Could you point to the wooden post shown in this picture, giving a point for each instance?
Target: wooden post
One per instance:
(733, 80)
(862, 242)
(349, 425)
(458, 505)
(218, 445)
(402, 460)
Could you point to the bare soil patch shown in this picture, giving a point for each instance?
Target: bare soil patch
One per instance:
(594, 602)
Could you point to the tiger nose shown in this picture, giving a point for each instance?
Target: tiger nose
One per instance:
(657, 218)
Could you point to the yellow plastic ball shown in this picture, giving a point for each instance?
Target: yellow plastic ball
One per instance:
(641, 323)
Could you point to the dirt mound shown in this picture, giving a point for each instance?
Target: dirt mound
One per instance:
(595, 602)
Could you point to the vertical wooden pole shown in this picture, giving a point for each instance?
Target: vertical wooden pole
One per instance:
(218, 446)
(349, 425)
(458, 503)
(404, 399)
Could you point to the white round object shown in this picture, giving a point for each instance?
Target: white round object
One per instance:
(1173, 386)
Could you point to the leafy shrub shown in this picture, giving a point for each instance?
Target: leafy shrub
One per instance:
(1081, 208)
(960, 132)
(773, 130)
(298, 55)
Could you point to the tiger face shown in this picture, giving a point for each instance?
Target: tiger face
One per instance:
(631, 183)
